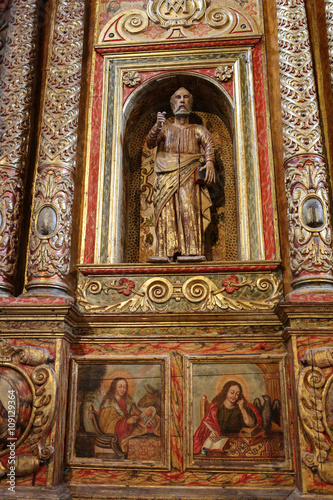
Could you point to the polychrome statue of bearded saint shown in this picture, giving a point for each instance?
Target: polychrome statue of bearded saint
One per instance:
(181, 205)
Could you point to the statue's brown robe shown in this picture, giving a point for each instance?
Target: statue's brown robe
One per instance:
(182, 207)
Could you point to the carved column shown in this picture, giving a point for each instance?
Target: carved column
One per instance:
(305, 170)
(329, 23)
(51, 227)
(16, 83)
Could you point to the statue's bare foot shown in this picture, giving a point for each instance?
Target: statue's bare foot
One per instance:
(191, 258)
(156, 259)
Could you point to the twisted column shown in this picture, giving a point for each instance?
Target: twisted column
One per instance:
(16, 84)
(51, 227)
(309, 221)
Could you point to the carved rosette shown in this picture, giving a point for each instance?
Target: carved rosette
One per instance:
(329, 24)
(314, 393)
(49, 248)
(32, 400)
(306, 184)
(16, 83)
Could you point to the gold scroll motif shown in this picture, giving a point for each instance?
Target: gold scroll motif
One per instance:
(173, 22)
(18, 58)
(43, 385)
(10, 206)
(300, 112)
(308, 216)
(50, 236)
(49, 250)
(201, 292)
(312, 394)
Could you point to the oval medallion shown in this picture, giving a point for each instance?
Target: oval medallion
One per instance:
(16, 407)
(46, 221)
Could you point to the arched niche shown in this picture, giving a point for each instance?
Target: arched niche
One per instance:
(139, 115)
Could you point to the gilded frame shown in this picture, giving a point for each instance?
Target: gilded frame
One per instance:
(247, 464)
(99, 463)
(108, 247)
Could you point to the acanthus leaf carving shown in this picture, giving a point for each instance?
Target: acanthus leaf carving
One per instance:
(311, 394)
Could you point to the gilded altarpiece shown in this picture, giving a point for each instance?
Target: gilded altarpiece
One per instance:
(194, 377)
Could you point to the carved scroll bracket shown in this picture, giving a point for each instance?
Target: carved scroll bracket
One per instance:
(314, 393)
(34, 399)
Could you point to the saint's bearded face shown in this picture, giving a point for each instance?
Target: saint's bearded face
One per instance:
(181, 102)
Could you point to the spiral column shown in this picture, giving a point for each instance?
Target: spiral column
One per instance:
(51, 226)
(308, 214)
(16, 84)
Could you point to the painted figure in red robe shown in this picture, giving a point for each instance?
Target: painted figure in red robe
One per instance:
(228, 413)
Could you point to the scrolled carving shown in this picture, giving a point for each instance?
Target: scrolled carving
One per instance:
(300, 111)
(34, 356)
(312, 391)
(321, 357)
(134, 22)
(170, 13)
(46, 397)
(38, 391)
(16, 84)
(49, 254)
(220, 18)
(158, 291)
(7, 351)
(197, 290)
(308, 215)
(329, 24)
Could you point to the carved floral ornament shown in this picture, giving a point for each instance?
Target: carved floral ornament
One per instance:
(131, 79)
(224, 73)
(178, 19)
(200, 293)
(315, 403)
(31, 407)
(308, 215)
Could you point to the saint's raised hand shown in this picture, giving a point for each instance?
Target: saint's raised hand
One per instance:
(160, 119)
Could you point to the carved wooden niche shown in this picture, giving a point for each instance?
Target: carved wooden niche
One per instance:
(213, 109)
(227, 85)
